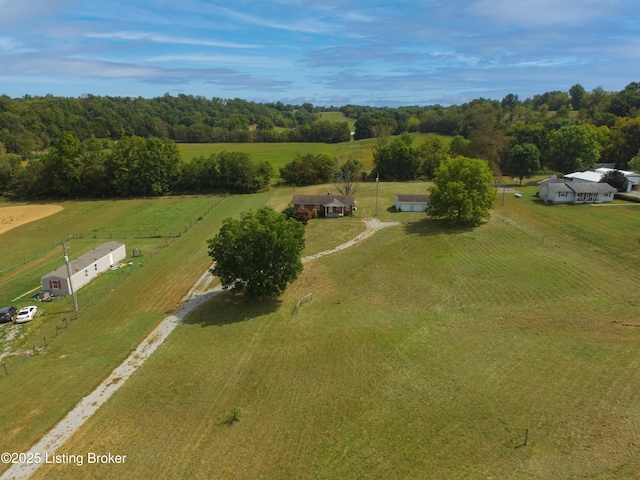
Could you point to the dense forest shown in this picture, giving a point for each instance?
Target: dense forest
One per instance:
(117, 147)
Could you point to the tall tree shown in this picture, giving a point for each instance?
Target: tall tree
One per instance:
(523, 161)
(258, 254)
(310, 169)
(573, 148)
(463, 191)
(63, 165)
(397, 160)
(634, 163)
(577, 94)
(432, 152)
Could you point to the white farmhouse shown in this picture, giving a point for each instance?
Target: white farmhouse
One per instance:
(576, 192)
(84, 269)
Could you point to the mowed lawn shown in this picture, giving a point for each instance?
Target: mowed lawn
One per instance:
(426, 352)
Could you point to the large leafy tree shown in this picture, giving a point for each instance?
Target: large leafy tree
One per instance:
(310, 169)
(432, 152)
(523, 161)
(634, 163)
(463, 191)
(397, 160)
(63, 165)
(573, 148)
(258, 254)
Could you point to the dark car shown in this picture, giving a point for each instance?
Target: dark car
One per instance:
(7, 314)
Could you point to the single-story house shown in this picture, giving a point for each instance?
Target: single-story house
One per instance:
(411, 203)
(576, 192)
(326, 205)
(84, 269)
(632, 177)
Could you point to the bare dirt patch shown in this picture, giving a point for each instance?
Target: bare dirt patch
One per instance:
(12, 217)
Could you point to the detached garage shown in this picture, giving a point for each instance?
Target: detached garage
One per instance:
(411, 203)
(84, 269)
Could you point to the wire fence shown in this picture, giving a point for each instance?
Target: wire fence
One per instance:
(108, 235)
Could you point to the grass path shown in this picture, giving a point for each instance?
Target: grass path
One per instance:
(90, 404)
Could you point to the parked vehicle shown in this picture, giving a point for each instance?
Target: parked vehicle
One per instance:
(7, 314)
(26, 314)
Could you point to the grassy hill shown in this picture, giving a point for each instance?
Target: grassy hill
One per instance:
(279, 154)
(425, 352)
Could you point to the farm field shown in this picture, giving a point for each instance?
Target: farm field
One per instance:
(279, 154)
(426, 352)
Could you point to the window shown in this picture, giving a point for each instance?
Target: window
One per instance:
(96, 266)
(54, 284)
(86, 273)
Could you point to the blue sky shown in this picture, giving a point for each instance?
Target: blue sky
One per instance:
(327, 52)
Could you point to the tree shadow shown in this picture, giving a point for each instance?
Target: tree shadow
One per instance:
(229, 307)
(431, 226)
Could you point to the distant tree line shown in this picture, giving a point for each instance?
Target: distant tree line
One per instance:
(31, 124)
(557, 131)
(131, 167)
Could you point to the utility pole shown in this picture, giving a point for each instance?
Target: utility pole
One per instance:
(377, 179)
(73, 292)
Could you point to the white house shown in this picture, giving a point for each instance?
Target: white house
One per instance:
(632, 177)
(576, 192)
(84, 269)
(411, 203)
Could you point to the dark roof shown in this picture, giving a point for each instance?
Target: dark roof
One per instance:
(580, 187)
(413, 198)
(323, 199)
(85, 260)
(551, 180)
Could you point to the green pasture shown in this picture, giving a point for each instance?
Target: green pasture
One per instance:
(279, 154)
(337, 117)
(426, 352)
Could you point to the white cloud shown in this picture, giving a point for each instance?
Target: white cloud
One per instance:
(253, 61)
(151, 37)
(305, 25)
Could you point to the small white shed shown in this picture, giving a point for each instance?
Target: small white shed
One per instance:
(411, 203)
(84, 269)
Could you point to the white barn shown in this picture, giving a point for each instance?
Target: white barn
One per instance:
(411, 203)
(84, 269)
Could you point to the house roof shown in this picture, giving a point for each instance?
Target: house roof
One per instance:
(581, 187)
(415, 198)
(585, 176)
(85, 260)
(626, 173)
(552, 179)
(323, 199)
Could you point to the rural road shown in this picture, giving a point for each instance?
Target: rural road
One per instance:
(53, 440)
